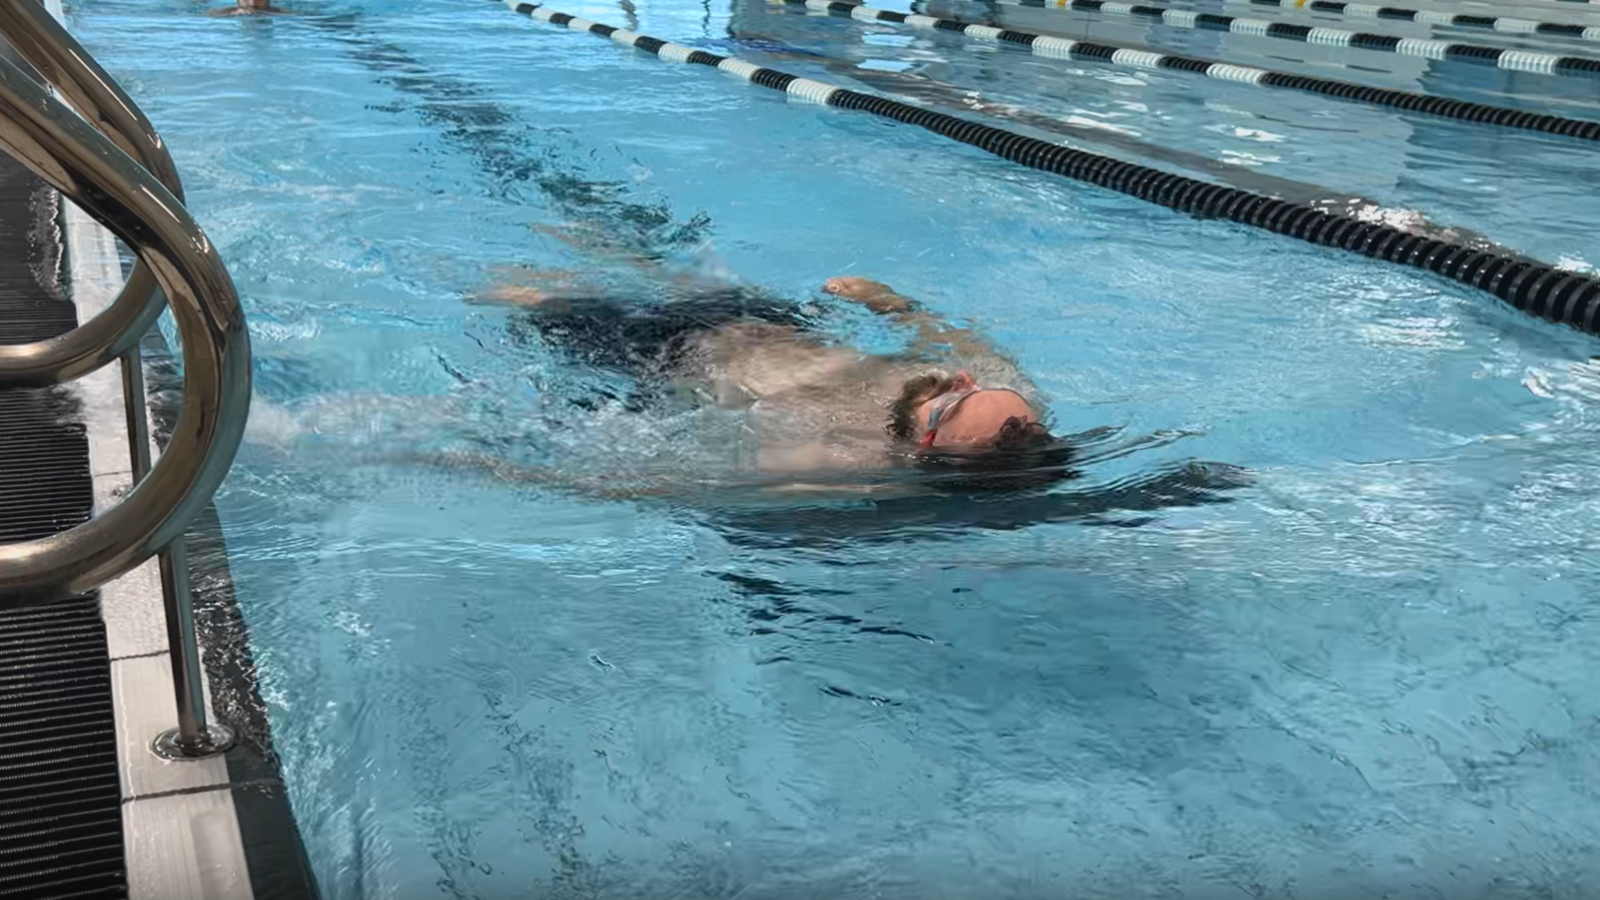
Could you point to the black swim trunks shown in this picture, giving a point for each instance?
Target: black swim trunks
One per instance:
(642, 339)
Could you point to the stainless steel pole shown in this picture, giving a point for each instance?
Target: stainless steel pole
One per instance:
(195, 737)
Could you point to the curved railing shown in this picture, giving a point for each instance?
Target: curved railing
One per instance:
(139, 202)
(62, 63)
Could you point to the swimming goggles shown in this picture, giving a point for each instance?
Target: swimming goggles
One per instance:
(946, 403)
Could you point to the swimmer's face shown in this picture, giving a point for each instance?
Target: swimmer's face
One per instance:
(970, 424)
(975, 420)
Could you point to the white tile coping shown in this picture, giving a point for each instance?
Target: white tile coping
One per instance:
(180, 827)
(184, 847)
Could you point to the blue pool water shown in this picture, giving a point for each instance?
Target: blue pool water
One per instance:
(1364, 668)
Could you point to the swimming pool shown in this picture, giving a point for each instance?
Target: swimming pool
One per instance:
(1362, 668)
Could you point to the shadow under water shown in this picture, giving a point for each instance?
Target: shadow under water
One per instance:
(1127, 503)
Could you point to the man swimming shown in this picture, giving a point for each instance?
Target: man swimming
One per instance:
(950, 402)
(249, 8)
(737, 404)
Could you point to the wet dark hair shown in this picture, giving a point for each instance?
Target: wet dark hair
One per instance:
(915, 392)
(1023, 454)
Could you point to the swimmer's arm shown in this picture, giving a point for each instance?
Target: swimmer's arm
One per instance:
(528, 287)
(610, 488)
(525, 286)
(935, 335)
(504, 470)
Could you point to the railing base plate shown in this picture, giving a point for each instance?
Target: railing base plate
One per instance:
(169, 745)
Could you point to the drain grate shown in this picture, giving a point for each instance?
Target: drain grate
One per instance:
(44, 463)
(60, 798)
(60, 801)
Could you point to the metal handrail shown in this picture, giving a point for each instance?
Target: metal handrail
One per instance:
(63, 63)
(116, 331)
(91, 170)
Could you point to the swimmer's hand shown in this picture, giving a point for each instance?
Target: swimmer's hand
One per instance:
(874, 295)
(526, 287)
(510, 295)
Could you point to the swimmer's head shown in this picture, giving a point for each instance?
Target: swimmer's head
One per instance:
(989, 436)
(952, 413)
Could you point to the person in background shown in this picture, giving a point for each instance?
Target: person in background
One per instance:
(250, 8)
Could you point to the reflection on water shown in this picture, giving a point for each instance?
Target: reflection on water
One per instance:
(501, 147)
(1129, 502)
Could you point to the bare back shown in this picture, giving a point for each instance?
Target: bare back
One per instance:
(812, 406)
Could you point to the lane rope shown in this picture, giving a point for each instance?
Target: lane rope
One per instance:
(1513, 60)
(1138, 58)
(1555, 294)
(1504, 24)
(1563, 1)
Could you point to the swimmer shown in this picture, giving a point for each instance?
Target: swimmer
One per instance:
(950, 403)
(250, 8)
(684, 383)
(720, 396)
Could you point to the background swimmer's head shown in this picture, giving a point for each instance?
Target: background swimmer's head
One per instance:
(992, 439)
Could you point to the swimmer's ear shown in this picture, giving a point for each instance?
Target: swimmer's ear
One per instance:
(963, 381)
